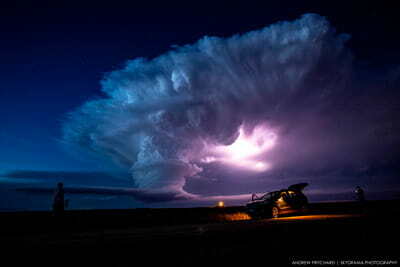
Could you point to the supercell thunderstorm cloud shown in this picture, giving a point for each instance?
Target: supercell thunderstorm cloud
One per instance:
(282, 102)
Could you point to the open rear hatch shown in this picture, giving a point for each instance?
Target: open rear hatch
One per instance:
(298, 187)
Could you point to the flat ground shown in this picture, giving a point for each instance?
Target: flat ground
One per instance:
(205, 236)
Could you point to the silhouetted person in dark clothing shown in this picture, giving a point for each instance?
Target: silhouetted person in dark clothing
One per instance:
(360, 198)
(359, 194)
(58, 200)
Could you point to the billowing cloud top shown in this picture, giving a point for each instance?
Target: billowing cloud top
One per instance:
(161, 118)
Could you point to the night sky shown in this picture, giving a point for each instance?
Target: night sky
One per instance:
(76, 106)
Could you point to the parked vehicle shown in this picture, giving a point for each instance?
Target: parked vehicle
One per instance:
(277, 203)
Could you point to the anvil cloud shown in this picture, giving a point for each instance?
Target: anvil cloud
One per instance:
(165, 118)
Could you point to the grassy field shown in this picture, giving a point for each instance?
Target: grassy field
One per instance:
(205, 236)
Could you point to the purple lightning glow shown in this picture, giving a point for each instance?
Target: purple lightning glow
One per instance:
(246, 151)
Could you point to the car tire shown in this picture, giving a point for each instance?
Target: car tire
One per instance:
(275, 212)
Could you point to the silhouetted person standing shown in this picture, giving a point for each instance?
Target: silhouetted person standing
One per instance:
(360, 198)
(58, 200)
(359, 194)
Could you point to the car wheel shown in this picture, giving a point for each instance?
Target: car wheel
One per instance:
(275, 212)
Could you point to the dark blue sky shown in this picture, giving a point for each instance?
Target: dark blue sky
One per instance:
(53, 55)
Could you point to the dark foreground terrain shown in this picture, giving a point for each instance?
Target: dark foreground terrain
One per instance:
(343, 231)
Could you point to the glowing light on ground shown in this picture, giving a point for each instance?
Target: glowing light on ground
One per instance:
(245, 150)
(238, 216)
(316, 217)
